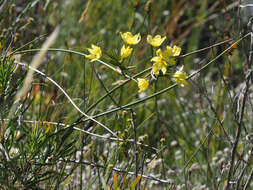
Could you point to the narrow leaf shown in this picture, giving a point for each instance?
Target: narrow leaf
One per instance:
(135, 182)
(115, 181)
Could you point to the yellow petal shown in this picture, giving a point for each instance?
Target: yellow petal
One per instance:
(130, 39)
(156, 41)
(142, 84)
(157, 59)
(155, 69)
(176, 51)
(167, 53)
(159, 52)
(125, 51)
(95, 53)
(159, 66)
(180, 77)
(170, 52)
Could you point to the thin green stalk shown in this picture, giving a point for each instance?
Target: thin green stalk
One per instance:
(172, 86)
(138, 74)
(83, 54)
(145, 98)
(68, 51)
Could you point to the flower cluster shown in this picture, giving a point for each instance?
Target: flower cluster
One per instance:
(161, 60)
(165, 58)
(131, 39)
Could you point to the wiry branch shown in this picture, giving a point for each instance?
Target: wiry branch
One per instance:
(106, 137)
(243, 99)
(68, 97)
(168, 181)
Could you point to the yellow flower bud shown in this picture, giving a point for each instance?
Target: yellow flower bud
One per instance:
(180, 77)
(142, 84)
(125, 51)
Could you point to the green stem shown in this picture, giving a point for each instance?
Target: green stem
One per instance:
(83, 54)
(112, 90)
(143, 99)
(172, 86)
(67, 51)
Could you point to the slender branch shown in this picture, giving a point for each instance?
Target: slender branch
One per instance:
(168, 181)
(117, 70)
(206, 48)
(104, 87)
(244, 170)
(28, 43)
(35, 63)
(106, 137)
(135, 142)
(172, 86)
(114, 89)
(68, 97)
(70, 51)
(240, 120)
(248, 180)
(238, 133)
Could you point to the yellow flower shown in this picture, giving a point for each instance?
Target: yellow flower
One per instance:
(180, 77)
(156, 41)
(175, 51)
(159, 64)
(130, 39)
(95, 53)
(142, 84)
(125, 51)
(164, 58)
(168, 53)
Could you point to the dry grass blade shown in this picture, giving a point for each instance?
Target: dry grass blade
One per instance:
(34, 64)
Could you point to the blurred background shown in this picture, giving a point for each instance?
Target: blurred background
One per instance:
(191, 127)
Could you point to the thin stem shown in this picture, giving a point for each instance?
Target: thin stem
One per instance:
(244, 170)
(240, 120)
(121, 171)
(118, 71)
(248, 180)
(105, 137)
(70, 51)
(135, 142)
(68, 97)
(114, 89)
(172, 86)
(206, 48)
